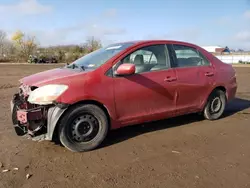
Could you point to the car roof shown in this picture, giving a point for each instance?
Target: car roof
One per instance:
(135, 42)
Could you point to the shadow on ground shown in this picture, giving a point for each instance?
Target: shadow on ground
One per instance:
(126, 133)
(237, 105)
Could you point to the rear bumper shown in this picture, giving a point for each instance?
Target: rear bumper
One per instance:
(231, 91)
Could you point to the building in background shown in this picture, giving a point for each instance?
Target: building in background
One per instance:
(217, 49)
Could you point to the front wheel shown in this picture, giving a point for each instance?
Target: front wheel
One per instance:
(83, 128)
(215, 105)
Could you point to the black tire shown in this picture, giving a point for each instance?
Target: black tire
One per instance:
(83, 128)
(215, 106)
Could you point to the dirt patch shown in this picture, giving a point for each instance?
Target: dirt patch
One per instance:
(179, 152)
(240, 65)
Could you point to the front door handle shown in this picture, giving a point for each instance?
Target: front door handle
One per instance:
(209, 73)
(170, 79)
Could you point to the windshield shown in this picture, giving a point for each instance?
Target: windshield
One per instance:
(96, 58)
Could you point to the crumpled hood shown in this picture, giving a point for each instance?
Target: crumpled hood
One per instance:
(48, 76)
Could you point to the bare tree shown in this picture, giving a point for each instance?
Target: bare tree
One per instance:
(93, 44)
(21, 45)
(2, 42)
(25, 44)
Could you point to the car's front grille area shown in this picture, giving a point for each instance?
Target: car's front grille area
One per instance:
(30, 117)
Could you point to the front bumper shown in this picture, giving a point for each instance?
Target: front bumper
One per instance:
(20, 130)
(21, 118)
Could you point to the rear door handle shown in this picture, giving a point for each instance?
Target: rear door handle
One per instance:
(170, 79)
(209, 73)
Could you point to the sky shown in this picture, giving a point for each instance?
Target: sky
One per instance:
(53, 22)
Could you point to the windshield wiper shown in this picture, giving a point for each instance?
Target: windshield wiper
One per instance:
(83, 68)
(74, 66)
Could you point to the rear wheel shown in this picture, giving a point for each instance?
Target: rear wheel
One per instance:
(215, 105)
(83, 128)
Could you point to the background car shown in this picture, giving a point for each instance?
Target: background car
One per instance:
(42, 59)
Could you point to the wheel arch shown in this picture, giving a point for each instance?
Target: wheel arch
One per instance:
(222, 88)
(83, 102)
(219, 87)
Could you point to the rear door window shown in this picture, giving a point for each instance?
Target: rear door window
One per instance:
(188, 56)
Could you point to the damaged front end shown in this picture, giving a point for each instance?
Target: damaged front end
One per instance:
(37, 121)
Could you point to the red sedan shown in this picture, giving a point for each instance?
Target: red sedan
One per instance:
(119, 85)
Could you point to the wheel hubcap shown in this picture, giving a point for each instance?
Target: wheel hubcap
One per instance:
(84, 128)
(216, 105)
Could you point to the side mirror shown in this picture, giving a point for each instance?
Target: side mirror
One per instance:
(125, 69)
